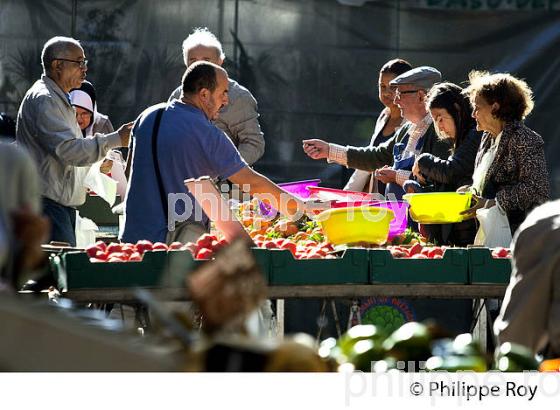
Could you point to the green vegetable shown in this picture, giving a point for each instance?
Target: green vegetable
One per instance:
(386, 318)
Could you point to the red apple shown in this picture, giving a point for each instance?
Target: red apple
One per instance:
(175, 246)
(160, 246)
(204, 253)
(101, 255)
(91, 250)
(205, 240)
(135, 257)
(114, 247)
(101, 245)
(144, 246)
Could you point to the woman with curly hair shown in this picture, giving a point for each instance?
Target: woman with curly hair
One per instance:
(510, 167)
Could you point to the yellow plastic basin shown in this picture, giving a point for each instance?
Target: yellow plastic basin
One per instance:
(356, 224)
(438, 207)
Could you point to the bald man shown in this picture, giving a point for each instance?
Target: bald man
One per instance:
(47, 127)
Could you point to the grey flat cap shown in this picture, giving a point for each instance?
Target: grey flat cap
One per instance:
(422, 77)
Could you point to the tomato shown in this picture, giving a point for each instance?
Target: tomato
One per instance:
(95, 260)
(416, 249)
(223, 242)
(270, 245)
(101, 255)
(128, 248)
(135, 257)
(397, 253)
(435, 252)
(114, 247)
(175, 246)
(280, 242)
(159, 246)
(291, 246)
(205, 240)
(418, 256)
(314, 255)
(91, 250)
(500, 252)
(205, 253)
(101, 245)
(117, 257)
(144, 246)
(319, 252)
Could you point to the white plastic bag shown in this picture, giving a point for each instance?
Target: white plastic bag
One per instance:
(117, 171)
(494, 228)
(85, 231)
(101, 184)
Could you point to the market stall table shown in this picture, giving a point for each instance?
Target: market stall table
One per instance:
(478, 292)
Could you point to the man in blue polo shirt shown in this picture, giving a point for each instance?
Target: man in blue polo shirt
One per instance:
(188, 146)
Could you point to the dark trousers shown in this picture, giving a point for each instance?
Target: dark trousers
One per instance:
(63, 221)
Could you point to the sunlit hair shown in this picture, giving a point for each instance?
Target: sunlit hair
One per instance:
(56, 47)
(450, 97)
(513, 95)
(201, 36)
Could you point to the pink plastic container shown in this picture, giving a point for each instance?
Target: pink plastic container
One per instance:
(400, 208)
(331, 194)
(297, 188)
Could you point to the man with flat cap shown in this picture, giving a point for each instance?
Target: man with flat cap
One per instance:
(393, 160)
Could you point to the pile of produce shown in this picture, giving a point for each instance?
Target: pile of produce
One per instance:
(417, 346)
(127, 252)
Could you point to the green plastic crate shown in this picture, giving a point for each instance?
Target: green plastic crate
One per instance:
(181, 262)
(452, 268)
(351, 268)
(486, 269)
(75, 271)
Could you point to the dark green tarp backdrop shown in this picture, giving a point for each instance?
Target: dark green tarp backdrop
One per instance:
(312, 64)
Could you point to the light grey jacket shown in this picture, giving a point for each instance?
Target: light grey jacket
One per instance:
(240, 121)
(530, 315)
(47, 128)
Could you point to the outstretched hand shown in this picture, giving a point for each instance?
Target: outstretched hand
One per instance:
(316, 149)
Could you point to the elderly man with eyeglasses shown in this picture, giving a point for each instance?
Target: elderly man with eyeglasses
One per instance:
(393, 160)
(47, 127)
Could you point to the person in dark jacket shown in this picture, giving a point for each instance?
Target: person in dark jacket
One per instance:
(451, 113)
(388, 122)
(393, 159)
(510, 167)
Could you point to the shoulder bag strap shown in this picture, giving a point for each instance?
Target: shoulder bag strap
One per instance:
(155, 133)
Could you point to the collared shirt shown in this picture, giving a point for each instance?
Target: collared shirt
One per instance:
(48, 129)
(416, 132)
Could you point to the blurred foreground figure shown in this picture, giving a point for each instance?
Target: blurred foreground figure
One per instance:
(531, 311)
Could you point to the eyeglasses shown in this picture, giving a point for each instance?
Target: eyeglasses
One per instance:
(399, 93)
(81, 63)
